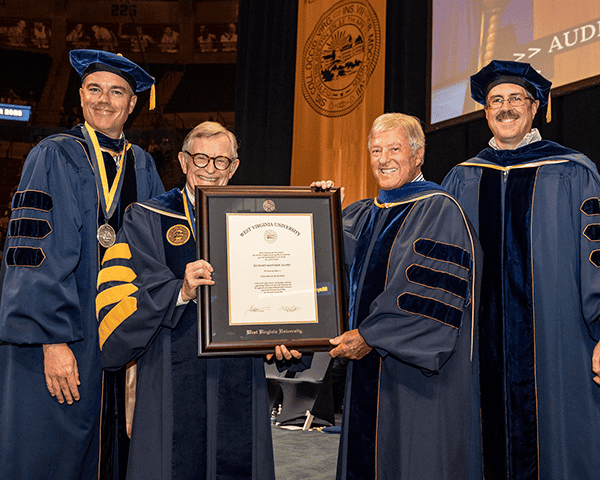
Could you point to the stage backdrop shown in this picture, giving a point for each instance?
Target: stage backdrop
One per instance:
(339, 91)
(264, 93)
(265, 84)
(265, 96)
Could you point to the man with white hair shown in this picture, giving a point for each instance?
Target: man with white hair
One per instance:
(411, 407)
(194, 417)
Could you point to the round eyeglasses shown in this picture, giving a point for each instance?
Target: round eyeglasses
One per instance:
(495, 103)
(201, 160)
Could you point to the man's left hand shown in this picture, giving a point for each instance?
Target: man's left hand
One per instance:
(596, 363)
(328, 185)
(350, 345)
(282, 352)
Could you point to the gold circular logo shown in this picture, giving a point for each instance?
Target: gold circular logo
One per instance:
(339, 57)
(178, 235)
(268, 205)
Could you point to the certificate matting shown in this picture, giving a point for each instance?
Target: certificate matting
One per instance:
(278, 269)
(270, 261)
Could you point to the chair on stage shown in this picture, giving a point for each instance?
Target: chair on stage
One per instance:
(305, 397)
(273, 389)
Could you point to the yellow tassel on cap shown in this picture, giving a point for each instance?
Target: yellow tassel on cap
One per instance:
(152, 100)
(549, 109)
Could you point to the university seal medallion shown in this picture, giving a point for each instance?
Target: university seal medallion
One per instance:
(178, 235)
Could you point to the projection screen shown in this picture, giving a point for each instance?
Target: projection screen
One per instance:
(559, 38)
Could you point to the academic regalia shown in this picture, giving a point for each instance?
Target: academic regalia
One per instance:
(537, 212)
(49, 271)
(411, 408)
(194, 418)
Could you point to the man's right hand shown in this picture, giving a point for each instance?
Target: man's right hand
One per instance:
(62, 375)
(596, 363)
(350, 344)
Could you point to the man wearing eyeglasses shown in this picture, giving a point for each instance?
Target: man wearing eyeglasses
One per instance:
(194, 417)
(536, 207)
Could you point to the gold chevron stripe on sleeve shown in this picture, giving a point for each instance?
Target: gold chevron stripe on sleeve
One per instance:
(114, 295)
(118, 250)
(124, 309)
(116, 274)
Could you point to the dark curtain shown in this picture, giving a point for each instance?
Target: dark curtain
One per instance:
(265, 90)
(406, 58)
(265, 94)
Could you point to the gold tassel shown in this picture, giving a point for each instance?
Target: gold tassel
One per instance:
(549, 108)
(152, 101)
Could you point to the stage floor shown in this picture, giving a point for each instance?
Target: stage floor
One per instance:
(309, 455)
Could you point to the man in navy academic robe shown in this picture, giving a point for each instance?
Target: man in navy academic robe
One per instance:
(194, 418)
(411, 408)
(48, 330)
(536, 207)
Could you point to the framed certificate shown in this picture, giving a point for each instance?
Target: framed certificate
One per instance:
(278, 269)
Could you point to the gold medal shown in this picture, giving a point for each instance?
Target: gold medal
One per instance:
(106, 235)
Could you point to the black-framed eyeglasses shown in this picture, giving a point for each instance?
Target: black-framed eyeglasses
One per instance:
(495, 103)
(201, 160)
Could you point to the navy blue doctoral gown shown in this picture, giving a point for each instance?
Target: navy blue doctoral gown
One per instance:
(411, 408)
(195, 418)
(49, 268)
(537, 212)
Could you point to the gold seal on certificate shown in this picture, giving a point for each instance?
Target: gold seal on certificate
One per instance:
(106, 235)
(268, 205)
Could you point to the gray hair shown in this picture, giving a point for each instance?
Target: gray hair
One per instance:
(211, 129)
(409, 124)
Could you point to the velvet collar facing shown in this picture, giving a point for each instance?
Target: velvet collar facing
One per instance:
(171, 201)
(411, 188)
(529, 153)
(105, 141)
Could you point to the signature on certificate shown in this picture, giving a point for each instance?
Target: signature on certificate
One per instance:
(292, 308)
(254, 309)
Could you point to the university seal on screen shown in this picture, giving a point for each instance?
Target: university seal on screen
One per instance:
(340, 56)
